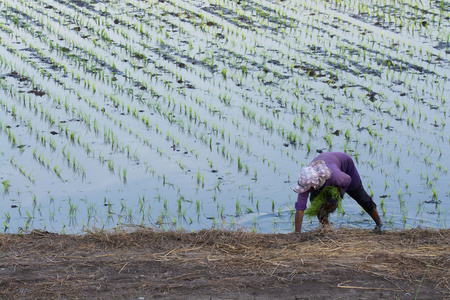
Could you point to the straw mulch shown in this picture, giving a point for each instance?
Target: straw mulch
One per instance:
(215, 264)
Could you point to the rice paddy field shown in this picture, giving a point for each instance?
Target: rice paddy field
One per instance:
(199, 114)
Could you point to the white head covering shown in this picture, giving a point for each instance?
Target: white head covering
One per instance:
(313, 176)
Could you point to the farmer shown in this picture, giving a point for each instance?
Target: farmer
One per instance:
(334, 169)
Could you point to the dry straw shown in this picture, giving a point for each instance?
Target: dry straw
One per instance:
(400, 259)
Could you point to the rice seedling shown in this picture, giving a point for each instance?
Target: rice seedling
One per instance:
(198, 206)
(238, 208)
(7, 216)
(6, 185)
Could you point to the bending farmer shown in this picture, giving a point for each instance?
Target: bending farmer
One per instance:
(334, 169)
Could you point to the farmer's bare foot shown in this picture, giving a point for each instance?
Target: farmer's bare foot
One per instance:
(378, 228)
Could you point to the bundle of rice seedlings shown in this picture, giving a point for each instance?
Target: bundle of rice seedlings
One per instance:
(328, 194)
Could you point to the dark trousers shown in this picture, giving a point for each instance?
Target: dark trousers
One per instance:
(359, 195)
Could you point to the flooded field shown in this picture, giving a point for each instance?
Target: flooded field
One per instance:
(194, 114)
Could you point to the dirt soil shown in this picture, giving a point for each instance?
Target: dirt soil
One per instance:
(216, 264)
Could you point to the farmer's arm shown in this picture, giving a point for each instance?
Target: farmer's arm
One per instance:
(299, 220)
(300, 207)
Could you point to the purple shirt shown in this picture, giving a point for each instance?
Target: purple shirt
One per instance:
(343, 175)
